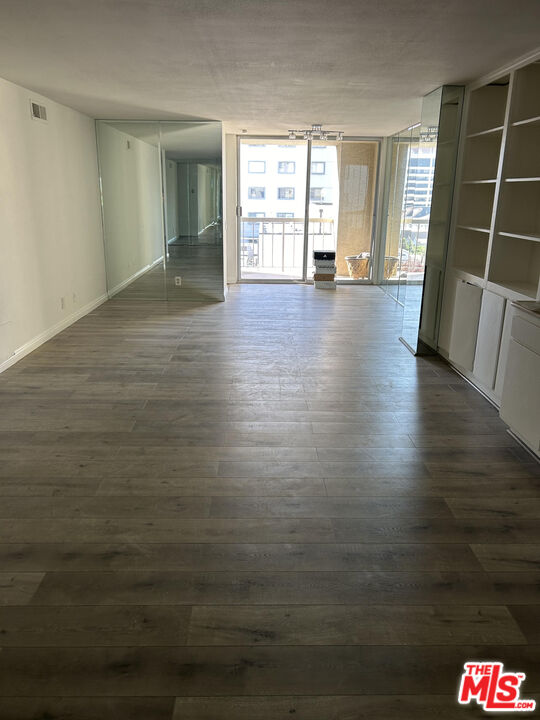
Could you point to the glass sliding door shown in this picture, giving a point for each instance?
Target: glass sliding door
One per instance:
(323, 213)
(276, 221)
(357, 166)
(272, 179)
(342, 188)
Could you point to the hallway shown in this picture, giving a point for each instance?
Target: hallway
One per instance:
(257, 510)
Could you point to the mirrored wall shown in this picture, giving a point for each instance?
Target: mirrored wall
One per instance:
(161, 188)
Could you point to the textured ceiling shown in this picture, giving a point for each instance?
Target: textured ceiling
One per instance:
(263, 65)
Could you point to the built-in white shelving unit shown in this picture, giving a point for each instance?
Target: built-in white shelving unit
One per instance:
(479, 177)
(495, 234)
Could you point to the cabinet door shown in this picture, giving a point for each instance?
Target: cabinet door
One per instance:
(503, 350)
(447, 312)
(488, 340)
(430, 306)
(520, 404)
(465, 324)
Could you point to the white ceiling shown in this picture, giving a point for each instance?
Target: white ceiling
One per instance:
(263, 65)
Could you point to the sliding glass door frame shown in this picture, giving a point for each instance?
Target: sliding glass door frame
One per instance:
(375, 230)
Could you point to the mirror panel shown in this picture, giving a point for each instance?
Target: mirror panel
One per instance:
(129, 165)
(161, 194)
(192, 192)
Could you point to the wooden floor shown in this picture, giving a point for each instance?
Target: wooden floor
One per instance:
(200, 268)
(257, 510)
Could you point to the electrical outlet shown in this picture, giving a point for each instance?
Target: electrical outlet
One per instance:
(178, 280)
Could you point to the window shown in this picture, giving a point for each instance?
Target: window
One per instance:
(286, 167)
(256, 193)
(316, 194)
(318, 168)
(256, 166)
(285, 193)
(285, 215)
(251, 230)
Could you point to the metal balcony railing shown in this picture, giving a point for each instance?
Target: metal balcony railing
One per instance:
(278, 243)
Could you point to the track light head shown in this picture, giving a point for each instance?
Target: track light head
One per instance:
(316, 133)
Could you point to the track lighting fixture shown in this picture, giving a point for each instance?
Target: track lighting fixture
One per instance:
(316, 133)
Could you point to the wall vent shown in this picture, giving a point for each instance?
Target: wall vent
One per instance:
(39, 112)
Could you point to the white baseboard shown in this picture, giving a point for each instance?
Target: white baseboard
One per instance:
(472, 380)
(115, 290)
(33, 344)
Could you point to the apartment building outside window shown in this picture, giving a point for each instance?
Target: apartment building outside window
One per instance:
(285, 193)
(320, 195)
(256, 166)
(256, 193)
(318, 168)
(286, 167)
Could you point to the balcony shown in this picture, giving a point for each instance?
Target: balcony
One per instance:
(273, 248)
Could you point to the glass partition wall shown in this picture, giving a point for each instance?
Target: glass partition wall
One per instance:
(421, 164)
(398, 160)
(161, 194)
(296, 197)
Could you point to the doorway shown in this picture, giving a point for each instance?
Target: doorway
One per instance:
(296, 196)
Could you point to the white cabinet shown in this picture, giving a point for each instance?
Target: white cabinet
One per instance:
(488, 340)
(520, 403)
(465, 324)
(503, 352)
(447, 313)
(495, 245)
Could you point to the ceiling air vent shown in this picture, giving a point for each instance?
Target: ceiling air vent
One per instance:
(39, 112)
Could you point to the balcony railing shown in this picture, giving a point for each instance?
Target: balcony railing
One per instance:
(277, 244)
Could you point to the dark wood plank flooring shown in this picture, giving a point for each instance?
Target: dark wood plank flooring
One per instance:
(256, 510)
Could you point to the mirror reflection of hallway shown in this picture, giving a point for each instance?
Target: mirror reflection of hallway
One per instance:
(192, 180)
(162, 209)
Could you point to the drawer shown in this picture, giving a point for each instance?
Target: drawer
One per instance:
(520, 404)
(526, 333)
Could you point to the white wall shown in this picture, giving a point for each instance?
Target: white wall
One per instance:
(171, 195)
(197, 199)
(187, 202)
(203, 197)
(130, 181)
(230, 179)
(51, 244)
(207, 183)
